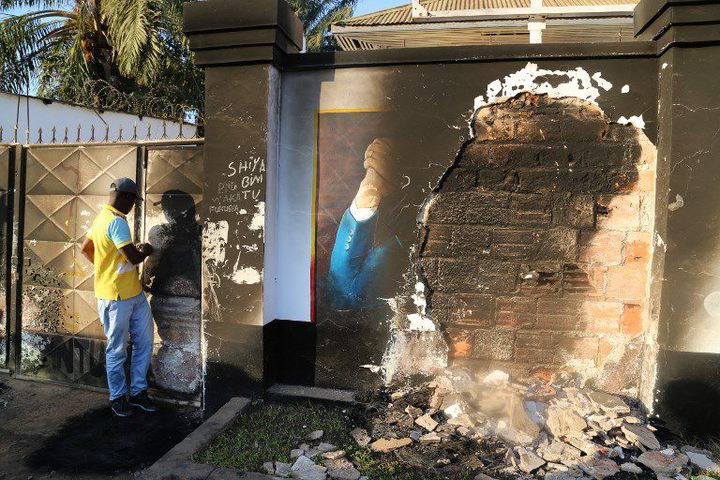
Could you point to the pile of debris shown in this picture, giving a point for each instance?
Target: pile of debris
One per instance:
(333, 463)
(554, 430)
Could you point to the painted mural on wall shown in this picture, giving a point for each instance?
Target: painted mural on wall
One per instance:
(367, 193)
(529, 250)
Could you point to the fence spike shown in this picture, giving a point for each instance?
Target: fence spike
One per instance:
(180, 135)
(120, 134)
(92, 133)
(27, 136)
(134, 137)
(65, 139)
(1, 133)
(107, 133)
(40, 135)
(164, 131)
(149, 134)
(15, 129)
(53, 135)
(78, 132)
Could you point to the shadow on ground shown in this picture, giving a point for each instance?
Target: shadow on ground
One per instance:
(99, 442)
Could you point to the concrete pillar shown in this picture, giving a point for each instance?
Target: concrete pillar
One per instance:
(687, 35)
(239, 43)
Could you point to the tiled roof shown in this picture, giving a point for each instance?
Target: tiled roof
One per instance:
(403, 14)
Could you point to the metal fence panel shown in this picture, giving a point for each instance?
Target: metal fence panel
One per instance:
(6, 164)
(65, 187)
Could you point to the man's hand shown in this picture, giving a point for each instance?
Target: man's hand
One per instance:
(146, 249)
(380, 175)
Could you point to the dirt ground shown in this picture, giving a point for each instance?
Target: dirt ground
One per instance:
(61, 433)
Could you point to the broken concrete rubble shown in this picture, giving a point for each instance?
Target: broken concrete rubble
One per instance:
(553, 430)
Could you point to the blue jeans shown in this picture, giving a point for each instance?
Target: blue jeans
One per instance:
(120, 317)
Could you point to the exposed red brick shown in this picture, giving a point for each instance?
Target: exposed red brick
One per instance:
(638, 247)
(583, 347)
(472, 310)
(605, 348)
(623, 212)
(461, 342)
(601, 316)
(632, 320)
(603, 247)
(646, 181)
(627, 282)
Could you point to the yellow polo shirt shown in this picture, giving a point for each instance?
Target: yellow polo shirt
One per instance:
(115, 277)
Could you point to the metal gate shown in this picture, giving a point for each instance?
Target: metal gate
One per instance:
(62, 188)
(7, 168)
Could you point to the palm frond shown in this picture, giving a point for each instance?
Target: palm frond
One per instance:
(132, 30)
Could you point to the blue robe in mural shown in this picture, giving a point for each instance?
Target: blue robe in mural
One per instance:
(357, 264)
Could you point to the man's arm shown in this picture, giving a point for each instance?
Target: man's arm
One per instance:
(88, 249)
(136, 254)
(119, 233)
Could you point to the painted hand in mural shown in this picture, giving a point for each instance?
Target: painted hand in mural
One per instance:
(379, 173)
(358, 255)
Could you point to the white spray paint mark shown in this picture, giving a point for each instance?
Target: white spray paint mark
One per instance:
(251, 248)
(578, 84)
(372, 368)
(215, 238)
(677, 204)
(625, 89)
(419, 322)
(246, 276)
(258, 220)
(659, 242)
(664, 66)
(84, 213)
(634, 120)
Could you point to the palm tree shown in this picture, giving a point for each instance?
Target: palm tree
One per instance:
(122, 54)
(317, 16)
(127, 55)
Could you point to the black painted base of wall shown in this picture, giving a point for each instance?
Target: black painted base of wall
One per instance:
(290, 353)
(688, 393)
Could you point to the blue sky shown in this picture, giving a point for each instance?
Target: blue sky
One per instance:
(363, 6)
(367, 6)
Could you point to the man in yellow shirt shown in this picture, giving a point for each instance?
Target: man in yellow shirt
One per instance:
(122, 305)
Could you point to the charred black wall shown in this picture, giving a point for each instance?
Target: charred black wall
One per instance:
(250, 54)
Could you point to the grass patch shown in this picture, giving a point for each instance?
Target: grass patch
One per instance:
(268, 431)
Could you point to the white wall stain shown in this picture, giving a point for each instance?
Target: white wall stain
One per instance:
(634, 120)
(258, 219)
(625, 89)
(246, 276)
(215, 236)
(579, 83)
(677, 204)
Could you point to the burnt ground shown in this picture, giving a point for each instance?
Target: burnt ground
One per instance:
(61, 433)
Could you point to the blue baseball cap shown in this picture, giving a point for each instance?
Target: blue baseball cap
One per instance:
(125, 184)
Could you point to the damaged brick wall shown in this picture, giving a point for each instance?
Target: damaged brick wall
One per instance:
(537, 243)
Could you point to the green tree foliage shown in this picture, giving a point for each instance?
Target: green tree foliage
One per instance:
(126, 55)
(317, 16)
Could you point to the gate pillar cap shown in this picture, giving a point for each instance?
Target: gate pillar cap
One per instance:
(677, 22)
(235, 32)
